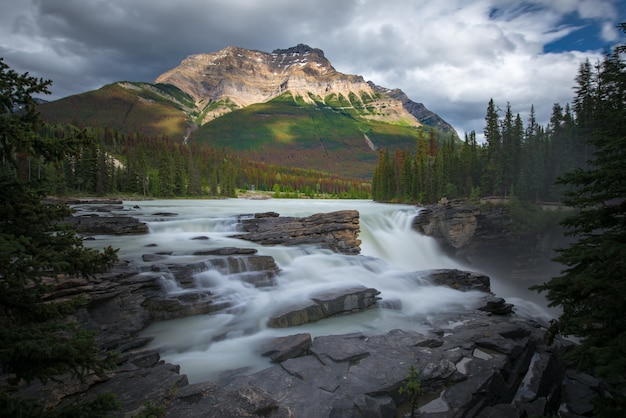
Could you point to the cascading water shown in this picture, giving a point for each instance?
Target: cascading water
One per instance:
(208, 345)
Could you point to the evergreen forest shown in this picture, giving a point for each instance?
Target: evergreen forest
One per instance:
(111, 163)
(517, 158)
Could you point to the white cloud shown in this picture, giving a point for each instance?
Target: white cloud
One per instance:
(451, 55)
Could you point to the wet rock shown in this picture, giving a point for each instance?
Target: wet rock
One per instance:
(135, 385)
(579, 390)
(485, 237)
(153, 257)
(201, 238)
(324, 305)
(209, 399)
(497, 306)
(298, 314)
(283, 348)
(455, 225)
(336, 231)
(266, 215)
(258, 270)
(227, 251)
(107, 225)
(183, 305)
(460, 280)
(476, 364)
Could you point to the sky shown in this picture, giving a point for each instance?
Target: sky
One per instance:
(451, 55)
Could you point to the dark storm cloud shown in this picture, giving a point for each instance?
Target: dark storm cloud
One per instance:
(452, 56)
(86, 44)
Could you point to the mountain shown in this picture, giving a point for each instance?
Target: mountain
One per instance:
(237, 77)
(289, 107)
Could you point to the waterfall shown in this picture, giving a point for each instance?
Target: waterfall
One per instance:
(392, 257)
(391, 238)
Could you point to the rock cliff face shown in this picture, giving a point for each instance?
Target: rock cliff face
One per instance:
(237, 77)
(247, 76)
(485, 237)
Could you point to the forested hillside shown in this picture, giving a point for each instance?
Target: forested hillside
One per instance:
(109, 162)
(518, 157)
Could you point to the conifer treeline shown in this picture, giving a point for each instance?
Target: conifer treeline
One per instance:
(515, 158)
(110, 162)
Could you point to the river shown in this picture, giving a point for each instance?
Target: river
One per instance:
(208, 346)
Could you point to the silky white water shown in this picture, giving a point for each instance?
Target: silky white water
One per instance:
(208, 346)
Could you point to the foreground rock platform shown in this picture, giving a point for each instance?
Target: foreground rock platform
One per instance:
(471, 365)
(485, 360)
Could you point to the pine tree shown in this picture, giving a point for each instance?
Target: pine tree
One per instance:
(492, 175)
(37, 252)
(592, 289)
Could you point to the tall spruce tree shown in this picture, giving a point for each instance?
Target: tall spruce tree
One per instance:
(592, 289)
(38, 339)
(492, 181)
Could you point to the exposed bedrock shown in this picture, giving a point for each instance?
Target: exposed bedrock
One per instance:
(337, 231)
(324, 305)
(484, 360)
(107, 225)
(486, 237)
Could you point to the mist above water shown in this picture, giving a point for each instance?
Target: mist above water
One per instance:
(207, 346)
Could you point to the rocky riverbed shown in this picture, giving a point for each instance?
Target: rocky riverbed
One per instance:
(485, 362)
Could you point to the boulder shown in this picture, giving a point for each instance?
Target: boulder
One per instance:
(324, 305)
(210, 399)
(258, 270)
(134, 384)
(336, 231)
(226, 251)
(283, 348)
(107, 225)
(460, 280)
(497, 306)
(140, 378)
(454, 225)
(182, 305)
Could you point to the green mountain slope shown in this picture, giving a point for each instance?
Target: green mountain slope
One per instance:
(154, 109)
(335, 134)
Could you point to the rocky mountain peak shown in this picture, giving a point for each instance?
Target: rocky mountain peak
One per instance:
(240, 77)
(236, 77)
(302, 55)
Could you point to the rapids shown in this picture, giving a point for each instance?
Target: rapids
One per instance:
(210, 346)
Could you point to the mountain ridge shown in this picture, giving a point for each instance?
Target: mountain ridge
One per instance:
(242, 77)
(290, 107)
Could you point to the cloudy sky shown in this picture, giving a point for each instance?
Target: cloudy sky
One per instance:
(451, 55)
